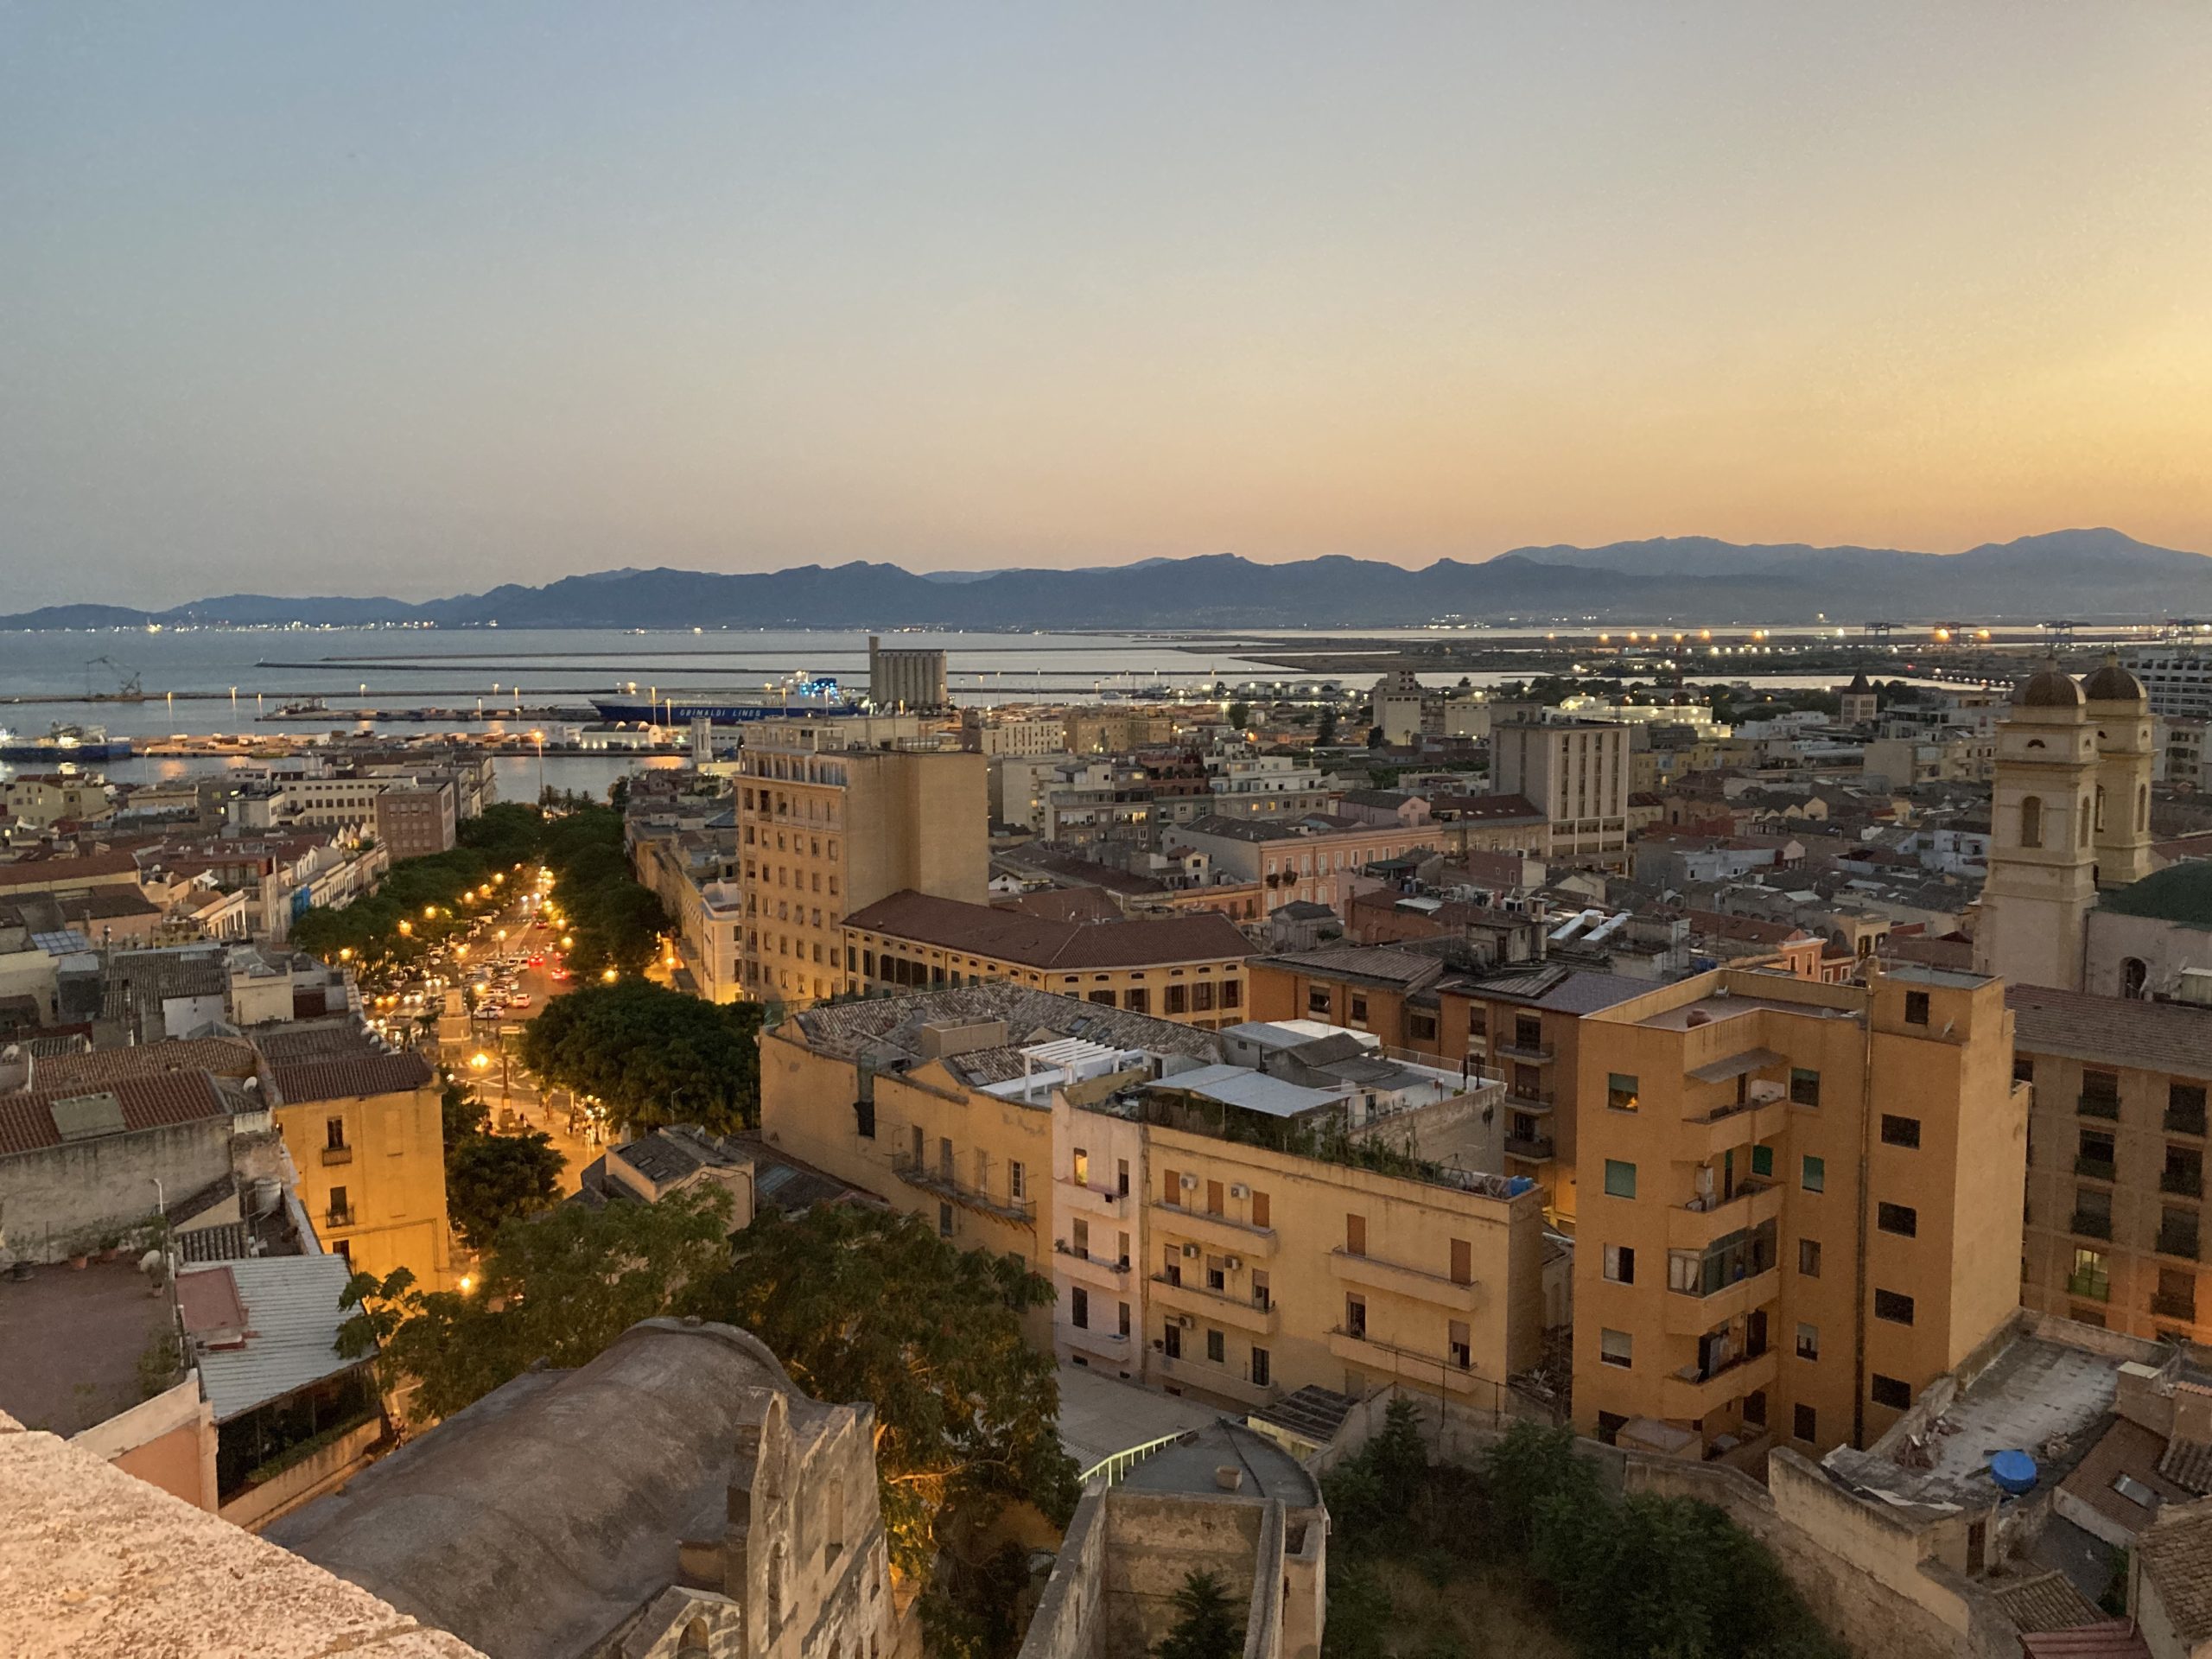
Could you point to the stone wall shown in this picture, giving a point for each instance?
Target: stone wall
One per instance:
(62, 1200)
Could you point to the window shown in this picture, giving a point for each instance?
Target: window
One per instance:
(1804, 1423)
(1171, 1187)
(1899, 1218)
(1079, 1308)
(1079, 1237)
(1137, 1000)
(1894, 1306)
(1620, 1264)
(1808, 1341)
(1616, 1348)
(1461, 1345)
(1358, 1009)
(1916, 1007)
(1478, 1020)
(1124, 1317)
(1105, 999)
(340, 1213)
(1170, 1340)
(1261, 1215)
(1232, 993)
(1809, 1258)
(1216, 1198)
(1260, 1297)
(945, 1220)
(1179, 999)
(1355, 1314)
(1463, 1263)
(1900, 1131)
(1620, 1178)
(1017, 1180)
(1814, 1174)
(1354, 1235)
(1082, 1167)
(2023, 1068)
(1762, 1160)
(1685, 1271)
(1317, 999)
(1891, 1391)
(2031, 821)
(1216, 1348)
(1262, 1368)
(1421, 1026)
(1804, 1086)
(334, 1134)
(1621, 1092)
(1201, 996)
(1217, 1273)
(1121, 1177)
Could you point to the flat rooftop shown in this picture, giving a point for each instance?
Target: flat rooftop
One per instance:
(1100, 1414)
(1716, 1009)
(1192, 1464)
(71, 1341)
(2042, 1397)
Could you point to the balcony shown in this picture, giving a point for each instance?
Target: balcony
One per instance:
(2104, 1106)
(1091, 1270)
(1687, 1399)
(1209, 1378)
(1103, 1345)
(1689, 1228)
(1534, 1148)
(1235, 1237)
(1705, 1137)
(2178, 1241)
(1541, 1100)
(939, 1182)
(2183, 1120)
(2168, 1306)
(2182, 1183)
(1438, 1289)
(2090, 1287)
(2097, 1169)
(2088, 1224)
(1512, 1048)
(1370, 1352)
(1691, 1315)
(1217, 1306)
(1081, 1199)
(335, 1217)
(332, 1155)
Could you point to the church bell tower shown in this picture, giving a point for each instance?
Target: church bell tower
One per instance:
(2043, 845)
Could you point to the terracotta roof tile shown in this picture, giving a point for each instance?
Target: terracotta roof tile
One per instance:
(299, 1082)
(2117, 1031)
(147, 1103)
(227, 1057)
(1035, 942)
(2176, 1555)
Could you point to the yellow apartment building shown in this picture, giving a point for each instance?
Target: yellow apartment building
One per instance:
(1213, 1229)
(2116, 1146)
(1797, 1205)
(824, 831)
(364, 1131)
(1189, 969)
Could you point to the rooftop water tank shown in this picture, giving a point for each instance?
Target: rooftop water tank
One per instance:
(2013, 1472)
(1516, 1185)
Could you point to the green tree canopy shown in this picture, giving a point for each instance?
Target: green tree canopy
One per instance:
(862, 1304)
(492, 1179)
(1206, 1625)
(559, 1287)
(652, 1055)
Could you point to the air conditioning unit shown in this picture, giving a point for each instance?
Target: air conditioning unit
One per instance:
(1232, 1264)
(1190, 1252)
(1188, 1183)
(1239, 1190)
(1186, 1321)
(1158, 1345)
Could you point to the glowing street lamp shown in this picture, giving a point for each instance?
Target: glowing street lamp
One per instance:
(610, 975)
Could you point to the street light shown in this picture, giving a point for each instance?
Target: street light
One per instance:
(610, 975)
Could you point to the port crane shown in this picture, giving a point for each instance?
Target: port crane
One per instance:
(128, 683)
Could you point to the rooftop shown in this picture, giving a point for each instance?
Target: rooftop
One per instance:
(896, 1022)
(290, 1325)
(70, 1344)
(2181, 894)
(34, 1118)
(1190, 1466)
(2176, 1558)
(369, 1073)
(1038, 942)
(227, 1057)
(2113, 1030)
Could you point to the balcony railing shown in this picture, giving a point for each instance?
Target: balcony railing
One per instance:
(934, 1179)
(1104, 1263)
(2088, 1224)
(2105, 1106)
(2092, 1287)
(1513, 1049)
(338, 1217)
(1530, 1100)
(2097, 1169)
(2172, 1307)
(2178, 1241)
(2184, 1183)
(2183, 1120)
(1537, 1148)
(337, 1155)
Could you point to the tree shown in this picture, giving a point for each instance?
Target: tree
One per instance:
(860, 1305)
(1239, 714)
(559, 1287)
(461, 1112)
(1206, 1625)
(653, 1056)
(492, 1179)
(1325, 733)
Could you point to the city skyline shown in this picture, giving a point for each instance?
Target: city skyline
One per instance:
(307, 305)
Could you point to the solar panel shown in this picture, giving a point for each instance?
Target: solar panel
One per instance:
(79, 1118)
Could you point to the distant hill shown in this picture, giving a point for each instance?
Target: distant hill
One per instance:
(2085, 574)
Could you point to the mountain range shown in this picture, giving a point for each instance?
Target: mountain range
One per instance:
(2086, 575)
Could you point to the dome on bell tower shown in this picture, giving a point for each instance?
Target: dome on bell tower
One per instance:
(2049, 687)
(2113, 684)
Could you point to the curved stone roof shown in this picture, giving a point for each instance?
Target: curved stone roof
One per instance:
(2113, 684)
(2049, 687)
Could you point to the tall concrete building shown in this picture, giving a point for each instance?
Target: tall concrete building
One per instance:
(905, 679)
(824, 831)
(1797, 1205)
(2069, 812)
(1576, 772)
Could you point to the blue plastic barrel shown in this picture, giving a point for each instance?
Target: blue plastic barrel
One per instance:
(2013, 1472)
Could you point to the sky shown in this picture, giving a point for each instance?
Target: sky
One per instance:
(415, 299)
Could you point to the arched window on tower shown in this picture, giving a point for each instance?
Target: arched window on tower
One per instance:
(2082, 821)
(2134, 976)
(2100, 808)
(2142, 807)
(2031, 821)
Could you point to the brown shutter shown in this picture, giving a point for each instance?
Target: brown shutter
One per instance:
(1463, 1263)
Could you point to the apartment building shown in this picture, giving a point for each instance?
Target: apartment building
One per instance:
(39, 800)
(2177, 679)
(1796, 1205)
(2180, 757)
(1522, 1025)
(824, 830)
(994, 735)
(1230, 1215)
(1099, 730)
(2116, 1147)
(1188, 969)
(416, 816)
(1576, 772)
(1305, 860)
(366, 1132)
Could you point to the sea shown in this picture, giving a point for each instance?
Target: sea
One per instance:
(203, 681)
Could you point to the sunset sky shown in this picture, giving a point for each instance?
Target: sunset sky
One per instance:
(380, 298)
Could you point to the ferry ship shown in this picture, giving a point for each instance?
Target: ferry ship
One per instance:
(65, 743)
(818, 695)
